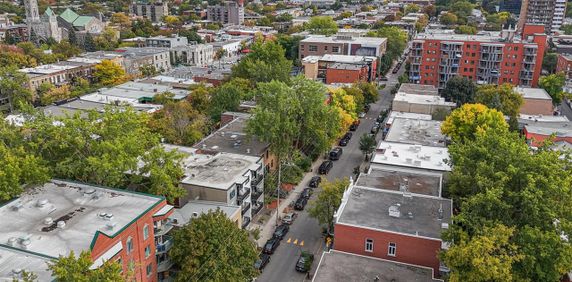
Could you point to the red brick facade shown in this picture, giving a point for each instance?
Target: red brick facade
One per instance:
(409, 249)
(135, 257)
(564, 64)
(346, 76)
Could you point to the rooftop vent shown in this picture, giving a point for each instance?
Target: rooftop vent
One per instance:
(408, 160)
(88, 191)
(410, 215)
(17, 206)
(108, 216)
(445, 225)
(48, 221)
(42, 203)
(12, 241)
(61, 224)
(417, 163)
(248, 151)
(394, 211)
(195, 214)
(440, 211)
(110, 225)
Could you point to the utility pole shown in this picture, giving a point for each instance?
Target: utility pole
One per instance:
(278, 193)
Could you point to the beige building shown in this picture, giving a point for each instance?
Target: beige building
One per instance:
(421, 104)
(231, 179)
(342, 45)
(57, 74)
(536, 101)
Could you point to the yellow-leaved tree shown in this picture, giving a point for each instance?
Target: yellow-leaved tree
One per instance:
(470, 120)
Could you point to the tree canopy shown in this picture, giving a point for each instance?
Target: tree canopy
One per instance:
(553, 84)
(324, 25)
(213, 248)
(460, 90)
(502, 98)
(108, 73)
(265, 63)
(396, 40)
(471, 120)
(328, 201)
(77, 269)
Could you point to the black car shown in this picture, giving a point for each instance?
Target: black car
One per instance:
(383, 78)
(344, 142)
(304, 263)
(300, 203)
(325, 167)
(348, 136)
(315, 182)
(374, 129)
(366, 108)
(280, 231)
(306, 193)
(271, 246)
(262, 261)
(336, 153)
(354, 126)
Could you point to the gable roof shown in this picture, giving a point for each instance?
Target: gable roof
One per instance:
(49, 12)
(69, 16)
(82, 20)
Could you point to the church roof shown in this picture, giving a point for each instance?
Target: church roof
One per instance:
(49, 12)
(69, 16)
(82, 20)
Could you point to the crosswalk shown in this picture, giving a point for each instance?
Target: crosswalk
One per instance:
(295, 242)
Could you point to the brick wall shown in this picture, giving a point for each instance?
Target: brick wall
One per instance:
(537, 107)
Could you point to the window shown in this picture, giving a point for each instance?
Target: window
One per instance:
(369, 245)
(149, 269)
(145, 232)
(391, 249)
(129, 245)
(312, 48)
(325, 48)
(335, 49)
(147, 251)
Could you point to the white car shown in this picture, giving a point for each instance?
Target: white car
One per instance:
(289, 218)
(361, 115)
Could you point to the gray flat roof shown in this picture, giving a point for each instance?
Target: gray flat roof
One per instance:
(559, 129)
(415, 215)
(533, 93)
(420, 89)
(411, 156)
(79, 206)
(215, 170)
(226, 139)
(186, 213)
(416, 132)
(397, 179)
(345, 66)
(12, 260)
(365, 41)
(345, 267)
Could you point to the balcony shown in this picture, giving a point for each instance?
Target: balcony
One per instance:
(256, 180)
(257, 208)
(245, 208)
(165, 246)
(164, 229)
(245, 222)
(164, 265)
(256, 194)
(243, 195)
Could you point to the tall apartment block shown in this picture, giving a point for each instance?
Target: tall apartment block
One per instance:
(549, 13)
(229, 12)
(153, 11)
(495, 58)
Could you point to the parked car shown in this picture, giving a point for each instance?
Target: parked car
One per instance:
(262, 261)
(374, 129)
(315, 182)
(271, 246)
(280, 231)
(354, 126)
(348, 136)
(300, 203)
(336, 153)
(305, 261)
(289, 218)
(344, 142)
(361, 115)
(366, 108)
(383, 78)
(325, 167)
(306, 193)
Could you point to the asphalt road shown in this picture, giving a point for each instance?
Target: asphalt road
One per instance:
(305, 233)
(565, 110)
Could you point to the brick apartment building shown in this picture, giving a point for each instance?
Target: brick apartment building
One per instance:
(228, 12)
(342, 45)
(340, 68)
(392, 225)
(59, 217)
(564, 64)
(494, 58)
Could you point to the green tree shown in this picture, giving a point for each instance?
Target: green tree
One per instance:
(108, 73)
(367, 144)
(66, 50)
(191, 35)
(502, 98)
(460, 90)
(324, 25)
(553, 84)
(121, 19)
(462, 8)
(72, 37)
(369, 90)
(106, 40)
(72, 269)
(549, 62)
(265, 63)
(465, 29)
(448, 19)
(411, 8)
(290, 44)
(179, 123)
(213, 248)
(487, 256)
(19, 168)
(89, 43)
(569, 10)
(430, 10)
(227, 97)
(325, 205)
(396, 40)
(200, 98)
(148, 70)
(471, 120)
(13, 84)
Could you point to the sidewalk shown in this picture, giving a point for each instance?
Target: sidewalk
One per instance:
(267, 229)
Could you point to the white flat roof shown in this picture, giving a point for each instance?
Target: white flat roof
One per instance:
(365, 41)
(31, 221)
(47, 69)
(415, 156)
(393, 115)
(541, 118)
(416, 132)
(186, 213)
(533, 93)
(12, 260)
(217, 170)
(346, 58)
(422, 99)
